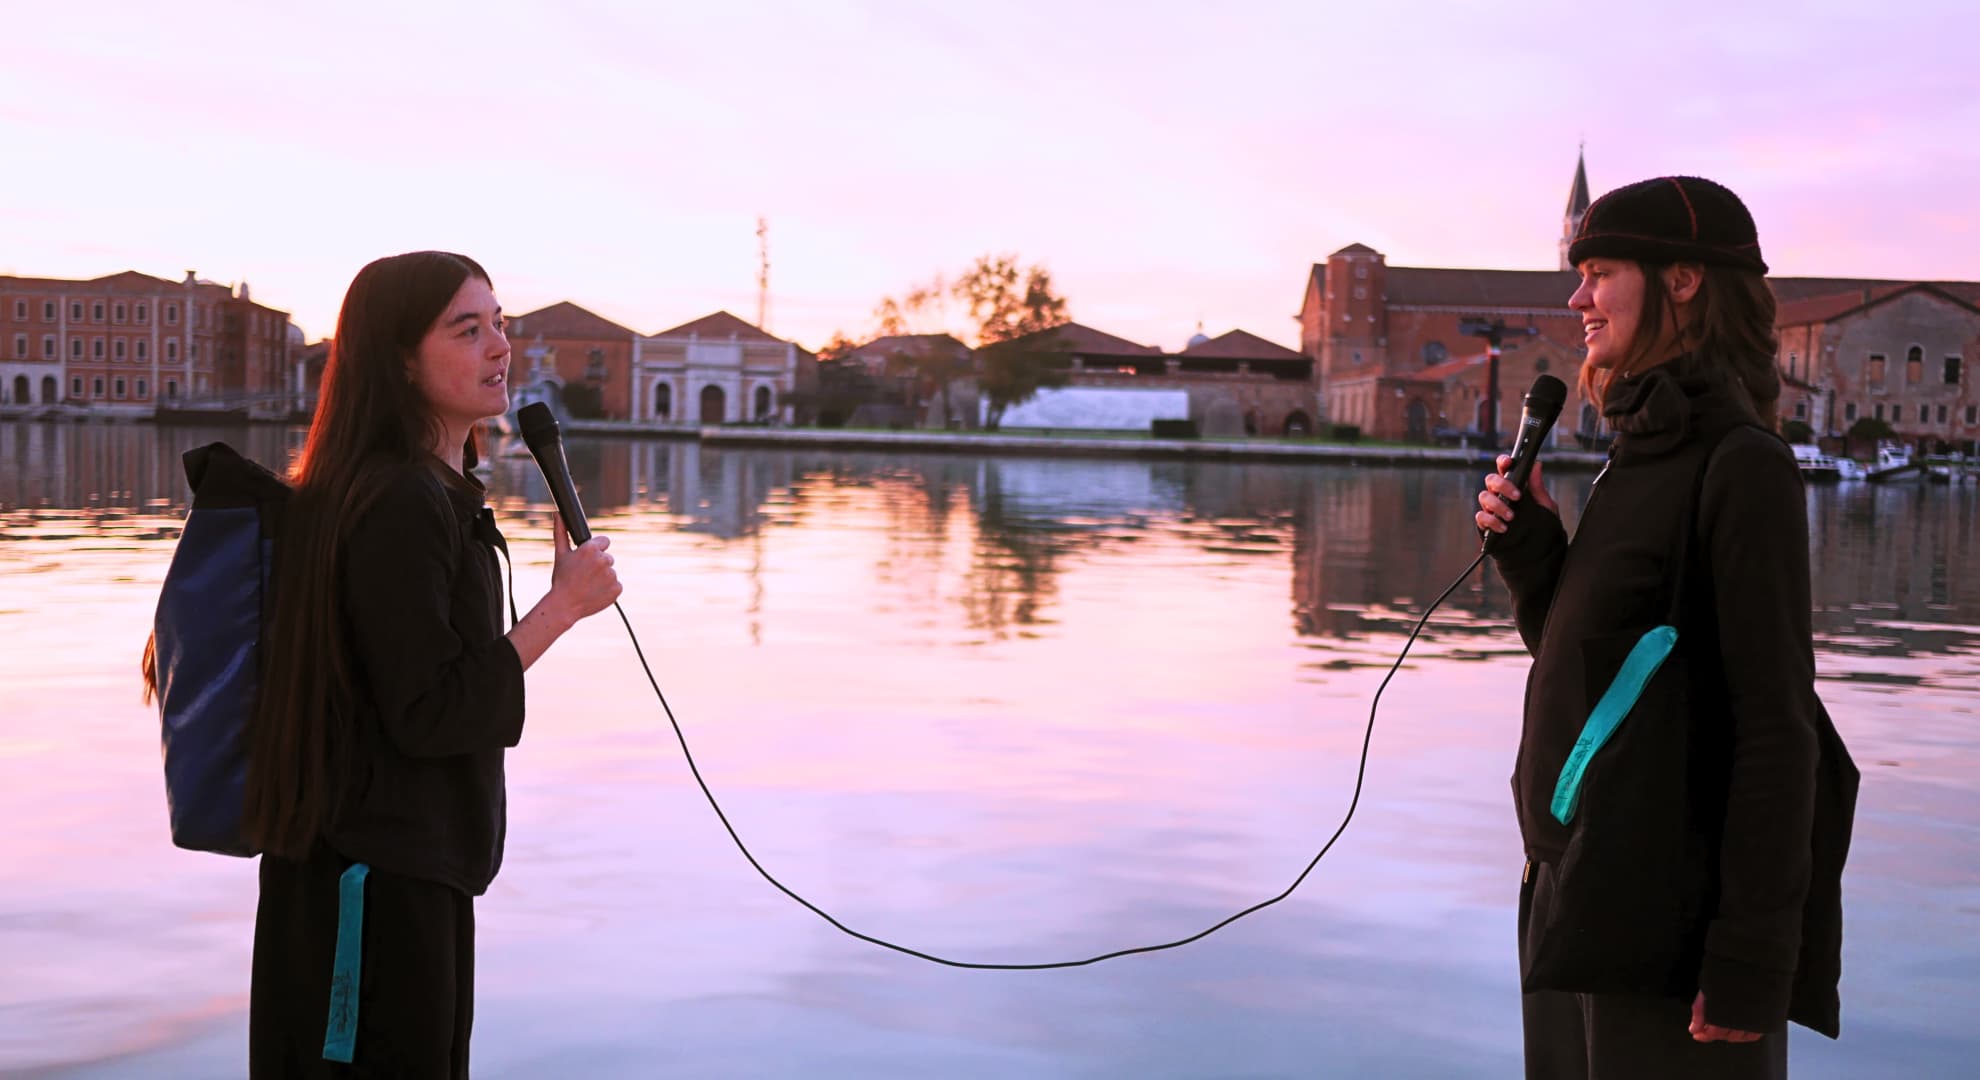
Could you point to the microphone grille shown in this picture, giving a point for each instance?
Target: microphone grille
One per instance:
(537, 423)
(1548, 392)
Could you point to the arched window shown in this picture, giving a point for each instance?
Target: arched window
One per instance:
(663, 401)
(764, 402)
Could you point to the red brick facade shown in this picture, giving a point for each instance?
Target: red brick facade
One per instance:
(581, 349)
(130, 341)
(1903, 354)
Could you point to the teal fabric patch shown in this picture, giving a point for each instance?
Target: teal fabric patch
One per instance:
(1643, 661)
(340, 1037)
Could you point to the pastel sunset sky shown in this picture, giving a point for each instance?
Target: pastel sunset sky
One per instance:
(1169, 162)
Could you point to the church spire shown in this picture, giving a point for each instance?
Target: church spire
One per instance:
(1577, 204)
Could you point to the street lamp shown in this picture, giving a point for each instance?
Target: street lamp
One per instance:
(1494, 332)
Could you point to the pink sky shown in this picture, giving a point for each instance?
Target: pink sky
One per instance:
(1169, 162)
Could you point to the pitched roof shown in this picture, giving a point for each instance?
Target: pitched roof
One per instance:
(568, 321)
(1239, 345)
(1482, 290)
(719, 326)
(1077, 338)
(1829, 308)
(911, 344)
(1818, 309)
(1356, 249)
(1440, 372)
(130, 278)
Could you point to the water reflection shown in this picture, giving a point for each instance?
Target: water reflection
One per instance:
(1012, 708)
(1008, 708)
(1368, 547)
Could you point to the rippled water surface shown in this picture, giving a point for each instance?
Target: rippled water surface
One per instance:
(1002, 709)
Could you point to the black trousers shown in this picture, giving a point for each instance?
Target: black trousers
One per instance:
(1623, 1037)
(415, 998)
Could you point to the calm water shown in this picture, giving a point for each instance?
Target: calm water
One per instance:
(1006, 710)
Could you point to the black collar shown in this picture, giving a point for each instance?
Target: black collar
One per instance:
(1656, 411)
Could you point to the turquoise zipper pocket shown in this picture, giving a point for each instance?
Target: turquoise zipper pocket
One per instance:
(1643, 661)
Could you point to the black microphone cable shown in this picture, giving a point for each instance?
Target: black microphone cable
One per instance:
(1361, 771)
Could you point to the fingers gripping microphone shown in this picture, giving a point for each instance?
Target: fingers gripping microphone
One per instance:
(1543, 407)
(546, 445)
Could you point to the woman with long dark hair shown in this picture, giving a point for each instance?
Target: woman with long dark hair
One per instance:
(375, 779)
(1681, 898)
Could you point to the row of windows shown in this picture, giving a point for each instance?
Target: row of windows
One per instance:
(21, 390)
(100, 311)
(1896, 414)
(139, 349)
(714, 403)
(118, 387)
(1914, 368)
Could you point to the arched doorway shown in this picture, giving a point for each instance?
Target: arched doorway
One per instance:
(1251, 421)
(763, 402)
(49, 389)
(21, 388)
(1416, 421)
(1298, 425)
(663, 401)
(714, 404)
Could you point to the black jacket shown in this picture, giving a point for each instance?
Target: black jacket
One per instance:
(439, 689)
(1748, 625)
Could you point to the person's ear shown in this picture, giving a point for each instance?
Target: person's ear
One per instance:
(1682, 281)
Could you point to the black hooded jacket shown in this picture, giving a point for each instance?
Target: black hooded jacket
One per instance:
(439, 691)
(1748, 613)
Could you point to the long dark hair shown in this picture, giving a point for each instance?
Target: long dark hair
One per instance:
(1732, 328)
(369, 418)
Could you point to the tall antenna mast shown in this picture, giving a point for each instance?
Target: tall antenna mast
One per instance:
(763, 274)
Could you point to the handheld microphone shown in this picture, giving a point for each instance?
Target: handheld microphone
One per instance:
(1543, 407)
(546, 445)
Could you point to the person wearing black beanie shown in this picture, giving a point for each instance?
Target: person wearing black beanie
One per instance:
(1684, 800)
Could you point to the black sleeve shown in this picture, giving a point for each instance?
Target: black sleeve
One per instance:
(1753, 520)
(1529, 556)
(437, 695)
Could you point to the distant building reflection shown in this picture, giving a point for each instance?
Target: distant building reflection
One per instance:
(1369, 547)
(81, 466)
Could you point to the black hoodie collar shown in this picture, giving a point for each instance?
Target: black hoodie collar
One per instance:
(1655, 411)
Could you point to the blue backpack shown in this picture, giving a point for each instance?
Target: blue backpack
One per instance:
(204, 661)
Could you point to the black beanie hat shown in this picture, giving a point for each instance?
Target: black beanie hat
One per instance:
(1670, 219)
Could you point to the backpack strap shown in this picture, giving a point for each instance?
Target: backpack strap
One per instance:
(1685, 551)
(487, 533)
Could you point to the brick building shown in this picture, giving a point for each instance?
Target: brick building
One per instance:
(130, 342)
(588, 356)
(1392, 354)
(1903, 353)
